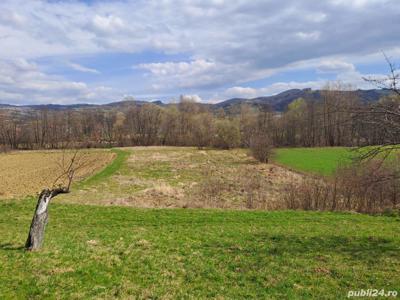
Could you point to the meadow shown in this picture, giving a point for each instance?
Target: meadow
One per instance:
(166, 177)
(127, 253)
(110, 239)
(320, 161)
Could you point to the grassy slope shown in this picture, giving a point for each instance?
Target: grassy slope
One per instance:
(116, 252)
(323, 161)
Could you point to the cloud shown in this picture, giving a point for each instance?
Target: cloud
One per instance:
(22, 82)
(191, 98)
(107, 24)
(218, 31)
(310, 36)
(334, 66)
(242, 92)
(219, 44)
(184, 74)
(275, 88)
(84, 69)
(179, 68)
(350, 77)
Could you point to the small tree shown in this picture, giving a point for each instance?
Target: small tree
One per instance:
(383, 116)
(61, 185)
(202, 130)
(227, 134)
(261, 147)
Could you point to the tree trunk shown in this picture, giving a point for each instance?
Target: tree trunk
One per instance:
(39, 221)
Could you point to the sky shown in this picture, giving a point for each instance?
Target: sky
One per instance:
(99, 51)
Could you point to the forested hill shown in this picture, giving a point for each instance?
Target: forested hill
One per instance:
(277, 102)
(280, 101)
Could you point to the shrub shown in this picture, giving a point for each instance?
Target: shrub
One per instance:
(260, 147)
(371, 187)
(227, 134)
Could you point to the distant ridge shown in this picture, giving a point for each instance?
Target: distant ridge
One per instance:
(277, 102)
(280, 101)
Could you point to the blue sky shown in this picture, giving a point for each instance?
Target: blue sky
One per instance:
(96, 51)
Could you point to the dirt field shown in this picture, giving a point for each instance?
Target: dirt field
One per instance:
(187, 177)
(25, 173)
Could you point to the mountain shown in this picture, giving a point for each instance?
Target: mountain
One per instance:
(117, 105)
(277, 102)
(280, 101)
(129, 103)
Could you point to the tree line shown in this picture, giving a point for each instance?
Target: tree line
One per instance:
(338, 119)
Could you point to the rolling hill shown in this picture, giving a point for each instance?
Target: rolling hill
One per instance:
(278, 102)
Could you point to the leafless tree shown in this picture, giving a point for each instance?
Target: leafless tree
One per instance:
(261, 147)
(382, 118)
(68, 167)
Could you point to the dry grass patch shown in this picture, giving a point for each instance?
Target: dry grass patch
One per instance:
(166, 177)
(26, 173)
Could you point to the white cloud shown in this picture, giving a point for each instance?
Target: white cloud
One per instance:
(220, 43)
(23, 82)
(191, 98)
(11, 17)
(241, 92)
(357, 3)
(350, 77)
(107, 24)
(278, 87)
(192, 74)
(84, 69)
(311, 36)
(334, 66)
(179, 68)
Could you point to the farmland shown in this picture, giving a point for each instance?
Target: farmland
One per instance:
(321, 161)
(26, 173)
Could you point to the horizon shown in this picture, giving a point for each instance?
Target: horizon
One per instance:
(97, 51)
(131, 99)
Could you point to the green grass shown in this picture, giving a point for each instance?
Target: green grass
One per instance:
(115, 252)
(321, 161)
(107, 172)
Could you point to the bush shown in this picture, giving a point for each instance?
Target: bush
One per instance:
(227, 134)
(372, 187)
(260, 147)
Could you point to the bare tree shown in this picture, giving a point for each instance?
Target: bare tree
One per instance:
(382, 118)
(261, 147)
(61, 185)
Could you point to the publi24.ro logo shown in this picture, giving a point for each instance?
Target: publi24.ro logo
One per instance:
(371, 293)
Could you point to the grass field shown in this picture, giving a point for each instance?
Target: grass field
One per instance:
(184, 177)
(115, 252)
(320, 161)
(26, 173)
(126, 253)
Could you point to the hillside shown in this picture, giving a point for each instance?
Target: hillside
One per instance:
(277, 102)
(280, 101)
